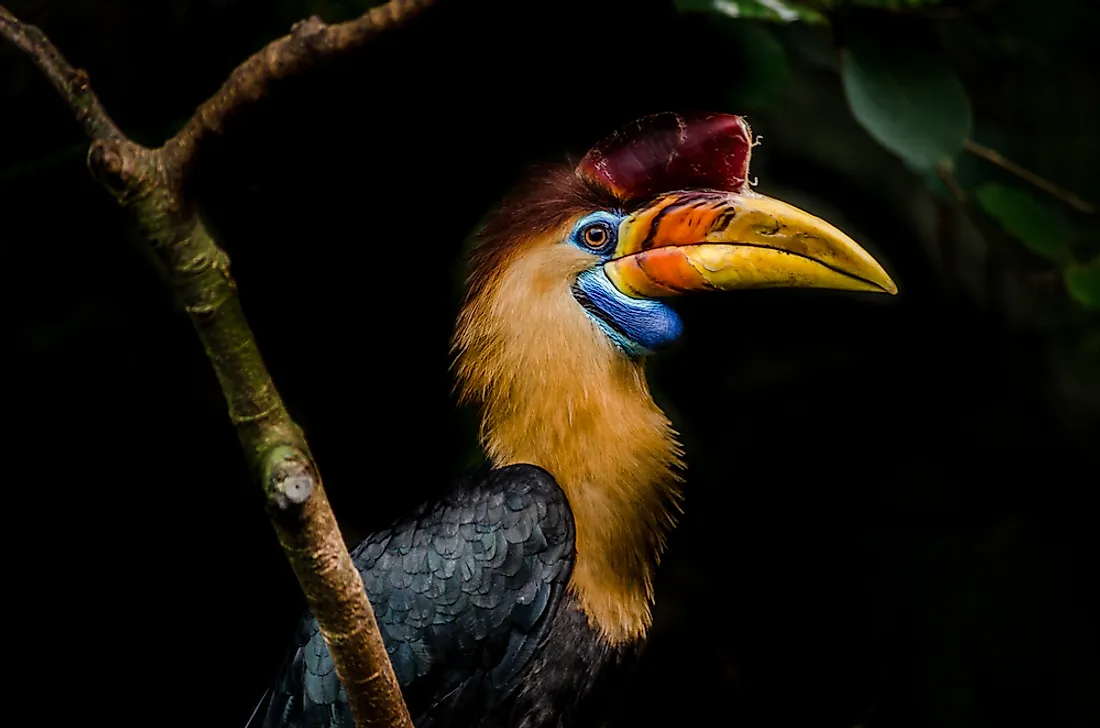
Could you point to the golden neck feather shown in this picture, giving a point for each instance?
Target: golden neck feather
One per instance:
(556, 393)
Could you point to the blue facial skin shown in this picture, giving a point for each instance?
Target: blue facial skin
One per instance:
(638, 326)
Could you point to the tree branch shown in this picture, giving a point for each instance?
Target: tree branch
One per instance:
(1005, 254)
(151, 185)
(994, 157)
(71, 83)
(310, 43)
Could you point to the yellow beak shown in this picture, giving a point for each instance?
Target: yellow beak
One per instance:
(692, 241)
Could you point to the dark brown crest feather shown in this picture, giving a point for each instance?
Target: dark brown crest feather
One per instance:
(547, 197)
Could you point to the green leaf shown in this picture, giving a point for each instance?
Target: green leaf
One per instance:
(878, 4)
(763, 73)
(784, 11)
(1083, 283)
(1042, 228)
(909, 101)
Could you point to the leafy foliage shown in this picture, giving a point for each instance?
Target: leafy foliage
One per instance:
(784, 11)
(902, 88)
(1083, 283)
(764, 71)
(908, 100)
(1043, 228)
(881, 4)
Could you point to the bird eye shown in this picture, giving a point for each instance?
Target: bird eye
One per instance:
(596, 236)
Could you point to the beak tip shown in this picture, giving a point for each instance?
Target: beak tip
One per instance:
(878, 277)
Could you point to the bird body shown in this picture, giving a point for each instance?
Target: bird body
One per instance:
(471, 596)
(523, 595)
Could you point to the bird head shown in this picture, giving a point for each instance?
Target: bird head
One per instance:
(660, 208)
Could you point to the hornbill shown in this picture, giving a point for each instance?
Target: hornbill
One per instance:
(517, 598)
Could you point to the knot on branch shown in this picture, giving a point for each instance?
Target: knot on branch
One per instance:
(289, 478)
(307, 38)
(306, 29)
(121, 166)
(80, 80)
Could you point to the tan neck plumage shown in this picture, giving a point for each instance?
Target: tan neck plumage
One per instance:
(556, 393)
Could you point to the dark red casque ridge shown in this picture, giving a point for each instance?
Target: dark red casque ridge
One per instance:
(669, 151)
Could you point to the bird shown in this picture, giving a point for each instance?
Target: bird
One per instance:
(522, 596)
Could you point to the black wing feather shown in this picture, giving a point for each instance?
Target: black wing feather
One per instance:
(463, 591)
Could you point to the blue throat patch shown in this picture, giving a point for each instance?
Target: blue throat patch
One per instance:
(639, 326)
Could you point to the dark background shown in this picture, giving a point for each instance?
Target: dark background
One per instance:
(888, 519)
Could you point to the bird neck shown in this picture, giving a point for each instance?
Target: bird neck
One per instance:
(556, 393)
